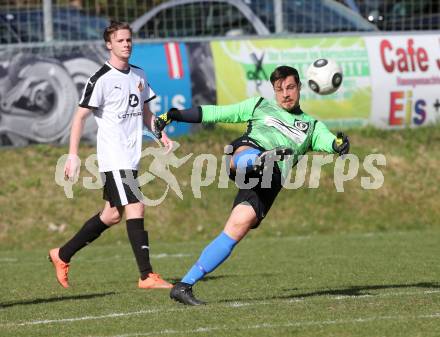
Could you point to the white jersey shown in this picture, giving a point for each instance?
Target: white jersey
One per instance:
(117, 99)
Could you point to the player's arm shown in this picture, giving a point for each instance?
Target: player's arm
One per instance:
(324, 140)
(149, 123)
(71, 168)
(233, 113)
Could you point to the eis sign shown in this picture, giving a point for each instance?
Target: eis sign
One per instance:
(411, 68)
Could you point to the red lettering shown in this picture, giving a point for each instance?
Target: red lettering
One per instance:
(411, 54)
(402, 63)
(395, 107)
(406, 59)
(422, 56)
(386, 45)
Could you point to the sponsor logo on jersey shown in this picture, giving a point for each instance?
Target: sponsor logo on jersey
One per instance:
(130, 114)
(133, 100)
(295, 132)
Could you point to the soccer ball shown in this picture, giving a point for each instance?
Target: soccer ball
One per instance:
(324, 76)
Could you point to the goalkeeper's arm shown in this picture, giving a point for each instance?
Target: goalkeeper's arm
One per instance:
(191, 115)
(234, 113)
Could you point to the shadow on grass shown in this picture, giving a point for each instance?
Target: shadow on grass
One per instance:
(362, 290)
(350, 291)
(206, 278)
(54, 299)
(224, 276)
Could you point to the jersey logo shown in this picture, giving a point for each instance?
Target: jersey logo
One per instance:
(300, 125)
(140, 87)
(292, 132)
(133, 100)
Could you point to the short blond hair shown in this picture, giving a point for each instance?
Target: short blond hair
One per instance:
(115, 26)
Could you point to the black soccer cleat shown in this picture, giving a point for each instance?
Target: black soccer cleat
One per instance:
(276, 154)
(182, 292)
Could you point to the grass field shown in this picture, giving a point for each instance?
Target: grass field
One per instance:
(33, 206)
(321, 285)
(323, 263)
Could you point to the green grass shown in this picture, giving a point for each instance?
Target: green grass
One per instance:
(377, 284)
(359, 263)
(32, 206)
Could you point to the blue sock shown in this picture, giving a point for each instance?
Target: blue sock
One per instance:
(212, 256)
(245, 158)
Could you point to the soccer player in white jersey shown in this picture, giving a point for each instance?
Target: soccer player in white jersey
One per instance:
(117, 95)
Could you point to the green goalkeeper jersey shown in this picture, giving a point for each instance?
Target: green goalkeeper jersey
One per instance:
(271, 126)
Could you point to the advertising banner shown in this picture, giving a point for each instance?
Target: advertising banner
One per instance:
(405, 72)
(40, 89)
(166, 66)
(243, 68)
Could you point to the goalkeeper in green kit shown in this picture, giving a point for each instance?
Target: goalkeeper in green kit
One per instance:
(278, 132)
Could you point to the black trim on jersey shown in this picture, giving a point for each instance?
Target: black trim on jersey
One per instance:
(314, 127)
(150, 99)
(91, 85)
(296, 110)
(88, 106)
(249, 126)
(132, 65)
(258, 104)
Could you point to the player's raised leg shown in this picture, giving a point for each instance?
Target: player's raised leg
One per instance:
(249, 159)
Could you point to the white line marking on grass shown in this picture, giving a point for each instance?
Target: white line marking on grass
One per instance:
(244, 304)
(393, 294)
(165, 255)
(8, 259)
(88, 318)
(236, 304)
(282, 325)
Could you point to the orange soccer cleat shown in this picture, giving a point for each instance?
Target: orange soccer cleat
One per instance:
(154, 281)
(61, 267)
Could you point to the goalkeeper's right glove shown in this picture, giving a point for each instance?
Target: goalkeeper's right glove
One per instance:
(341, 145)
(160, 123)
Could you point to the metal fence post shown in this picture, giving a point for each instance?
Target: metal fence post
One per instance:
(48, 20)
(278, 12)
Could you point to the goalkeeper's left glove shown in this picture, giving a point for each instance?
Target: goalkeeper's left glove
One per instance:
(341, 145)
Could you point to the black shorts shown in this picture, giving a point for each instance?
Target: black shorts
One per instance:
(120, 187)
(260, 197)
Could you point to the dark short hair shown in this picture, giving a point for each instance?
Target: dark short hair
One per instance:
(115, 26)
(282, 72)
